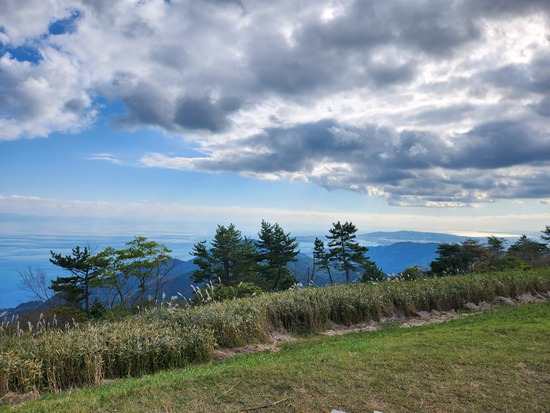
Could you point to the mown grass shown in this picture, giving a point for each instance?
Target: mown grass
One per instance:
(498, 361)
(173, 338)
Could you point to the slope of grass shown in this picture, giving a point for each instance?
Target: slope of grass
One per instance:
(498, 361)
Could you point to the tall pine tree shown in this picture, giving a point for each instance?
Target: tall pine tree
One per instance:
(321, 258)
(77, 287)
(229, 260)
(345, 253)
(275, 251)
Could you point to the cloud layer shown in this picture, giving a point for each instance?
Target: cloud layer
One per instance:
(427, 102)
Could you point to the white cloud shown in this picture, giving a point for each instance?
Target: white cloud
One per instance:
(105, 157)
(37, 99)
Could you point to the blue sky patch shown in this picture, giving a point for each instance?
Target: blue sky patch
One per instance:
(63, 26)
(24, 53)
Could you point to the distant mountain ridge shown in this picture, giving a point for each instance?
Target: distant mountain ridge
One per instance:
(388, 238)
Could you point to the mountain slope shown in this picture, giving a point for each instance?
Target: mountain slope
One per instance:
(399, 256)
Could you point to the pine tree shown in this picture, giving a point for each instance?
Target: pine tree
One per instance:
(530, 252)
(275, 251)
(321, 258)
(345, 253)
(77, 287)
(229, 260)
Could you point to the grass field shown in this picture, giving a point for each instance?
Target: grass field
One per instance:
(497, 361)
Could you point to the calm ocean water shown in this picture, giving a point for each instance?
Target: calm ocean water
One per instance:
(18, 252)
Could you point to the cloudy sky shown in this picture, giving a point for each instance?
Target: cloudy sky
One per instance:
(137, 115)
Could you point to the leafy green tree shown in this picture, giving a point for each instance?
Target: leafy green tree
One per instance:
(468, 256)
(136, 272)
(205, 262)
(494, 257)
(76, 288)
(371, 272)
(70, 291)
(495, 246)
(226, 248)
(473, 253)
(246, 266)
(344, 252)
(113, 277)
(276, 249)
(149, 262)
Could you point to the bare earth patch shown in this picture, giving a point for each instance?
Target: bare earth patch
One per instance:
(15, 399)
(277, 338)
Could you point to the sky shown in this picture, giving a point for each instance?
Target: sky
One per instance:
(144, 116)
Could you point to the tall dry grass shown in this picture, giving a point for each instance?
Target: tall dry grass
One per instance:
(54, 359)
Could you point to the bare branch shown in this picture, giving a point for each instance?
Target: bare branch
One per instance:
(36, 281)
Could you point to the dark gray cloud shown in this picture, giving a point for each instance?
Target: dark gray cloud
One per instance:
(205, 113)
(433, 27)
(500, 145)
(410, 167)
(497, 8)
(146, 103)
(345, 51)
(543, 107)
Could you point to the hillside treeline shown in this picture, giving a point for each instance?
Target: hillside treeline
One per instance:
(473, 256)
(231, 265)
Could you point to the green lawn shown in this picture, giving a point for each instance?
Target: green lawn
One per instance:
(498, 361)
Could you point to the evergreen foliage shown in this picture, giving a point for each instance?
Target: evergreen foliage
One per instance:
(232, 258)
(276, 249)
(77, 287)
(227, 261)
(321, 258)
(472, 256)
(347, 255)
